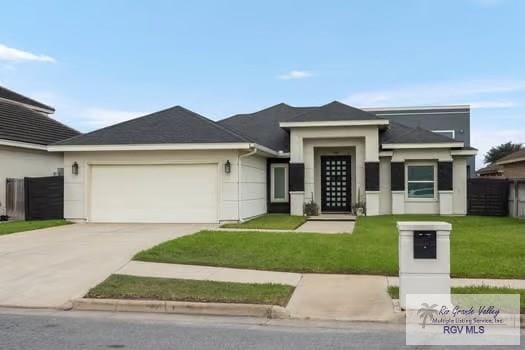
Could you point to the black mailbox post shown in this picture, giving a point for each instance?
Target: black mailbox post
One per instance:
(424, 244)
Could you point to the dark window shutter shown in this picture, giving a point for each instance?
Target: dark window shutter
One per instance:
(372, 176)
(445, 181)
(296, 177)
(397, 176)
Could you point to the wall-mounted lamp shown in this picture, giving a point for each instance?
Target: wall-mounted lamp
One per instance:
(74, 168)
(227, 167)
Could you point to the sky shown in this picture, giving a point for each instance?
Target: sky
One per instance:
(102, 62)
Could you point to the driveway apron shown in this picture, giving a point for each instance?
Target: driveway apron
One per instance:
(49, 267)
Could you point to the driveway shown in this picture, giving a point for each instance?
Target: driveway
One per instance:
(49, 267)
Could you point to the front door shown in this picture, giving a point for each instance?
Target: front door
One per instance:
(335, 183)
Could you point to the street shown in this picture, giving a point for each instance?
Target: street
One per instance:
(59, 330)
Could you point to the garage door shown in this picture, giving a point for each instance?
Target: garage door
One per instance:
(154, 193)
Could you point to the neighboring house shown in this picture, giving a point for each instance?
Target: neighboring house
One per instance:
(491, 170)
(511, 166)
(178, 166)
(25, 131)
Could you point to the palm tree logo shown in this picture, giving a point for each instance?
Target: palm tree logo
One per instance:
(426, 312)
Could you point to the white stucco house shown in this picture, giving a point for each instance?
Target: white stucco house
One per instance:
(178, 166)
(26, 129)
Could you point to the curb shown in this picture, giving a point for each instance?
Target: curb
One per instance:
(180, 307)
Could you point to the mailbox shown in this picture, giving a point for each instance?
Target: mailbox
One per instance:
(421, 269)
(424, 244)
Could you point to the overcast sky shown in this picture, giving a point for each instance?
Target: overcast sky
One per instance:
(100, 62)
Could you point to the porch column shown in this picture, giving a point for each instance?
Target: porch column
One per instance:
(296, 188)
(397, 180)
(372, 188)
(445, 188)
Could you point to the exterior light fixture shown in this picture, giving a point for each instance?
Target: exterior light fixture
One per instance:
(227, 167)
(74, 168)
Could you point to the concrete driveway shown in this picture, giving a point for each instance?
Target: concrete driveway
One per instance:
(49, 267)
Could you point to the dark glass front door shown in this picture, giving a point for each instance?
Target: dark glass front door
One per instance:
(335, 183)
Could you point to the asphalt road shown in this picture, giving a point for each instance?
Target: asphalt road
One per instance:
(58, 330)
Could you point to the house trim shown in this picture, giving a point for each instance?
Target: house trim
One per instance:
(4, 142)
(33, 107)
(463, 152)
(333, 123)
(515, 160)
(415, 108)
(422, 145)
(165, 147)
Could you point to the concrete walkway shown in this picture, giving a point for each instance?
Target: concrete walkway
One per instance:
(208, 273)
(49, 267)
(328, 227)
(342, 298)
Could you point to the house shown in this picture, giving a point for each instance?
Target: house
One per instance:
(178, 166)
(511, 166)
(26, 129)
(451, 121)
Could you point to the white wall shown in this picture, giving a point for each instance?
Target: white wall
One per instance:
(21, 162)
(253, 186)
(76, 187)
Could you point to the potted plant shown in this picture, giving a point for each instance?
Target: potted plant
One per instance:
(359, 206)
(311, 209)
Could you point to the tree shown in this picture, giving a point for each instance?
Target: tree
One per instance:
(500, 151)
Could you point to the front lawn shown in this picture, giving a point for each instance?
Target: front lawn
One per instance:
(271, 222)
(153, 288)
(394, 292)
(19, 226)
(487, 247)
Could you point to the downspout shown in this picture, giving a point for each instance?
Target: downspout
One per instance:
(239, 173)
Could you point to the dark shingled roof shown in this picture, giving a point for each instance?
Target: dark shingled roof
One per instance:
(334, 111)
(172, 125)
(22, 124)
(263, 126)
(514, 155)
(16, 97)
(399, 133)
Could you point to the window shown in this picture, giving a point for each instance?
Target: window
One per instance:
(279, 182)
(447, 133)
(420, 181)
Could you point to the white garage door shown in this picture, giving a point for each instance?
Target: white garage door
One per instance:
(154, 193)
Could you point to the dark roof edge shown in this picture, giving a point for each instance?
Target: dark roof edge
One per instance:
(35, 104)
(211, 122)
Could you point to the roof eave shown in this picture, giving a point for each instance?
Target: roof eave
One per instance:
(422, 145)
(19, 144)
(151, 147)
(514, 160)
(464, 152)
(325, 123)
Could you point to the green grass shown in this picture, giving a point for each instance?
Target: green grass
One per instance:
(152, 288)
(271, 222)
(481, 247)
(20, 226)
(394, 292)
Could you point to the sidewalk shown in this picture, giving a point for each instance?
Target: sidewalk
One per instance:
(208, 273)
(316, 296)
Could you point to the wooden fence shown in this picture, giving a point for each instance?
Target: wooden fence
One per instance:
(35, 198)
(488, 196)
(44, 197)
